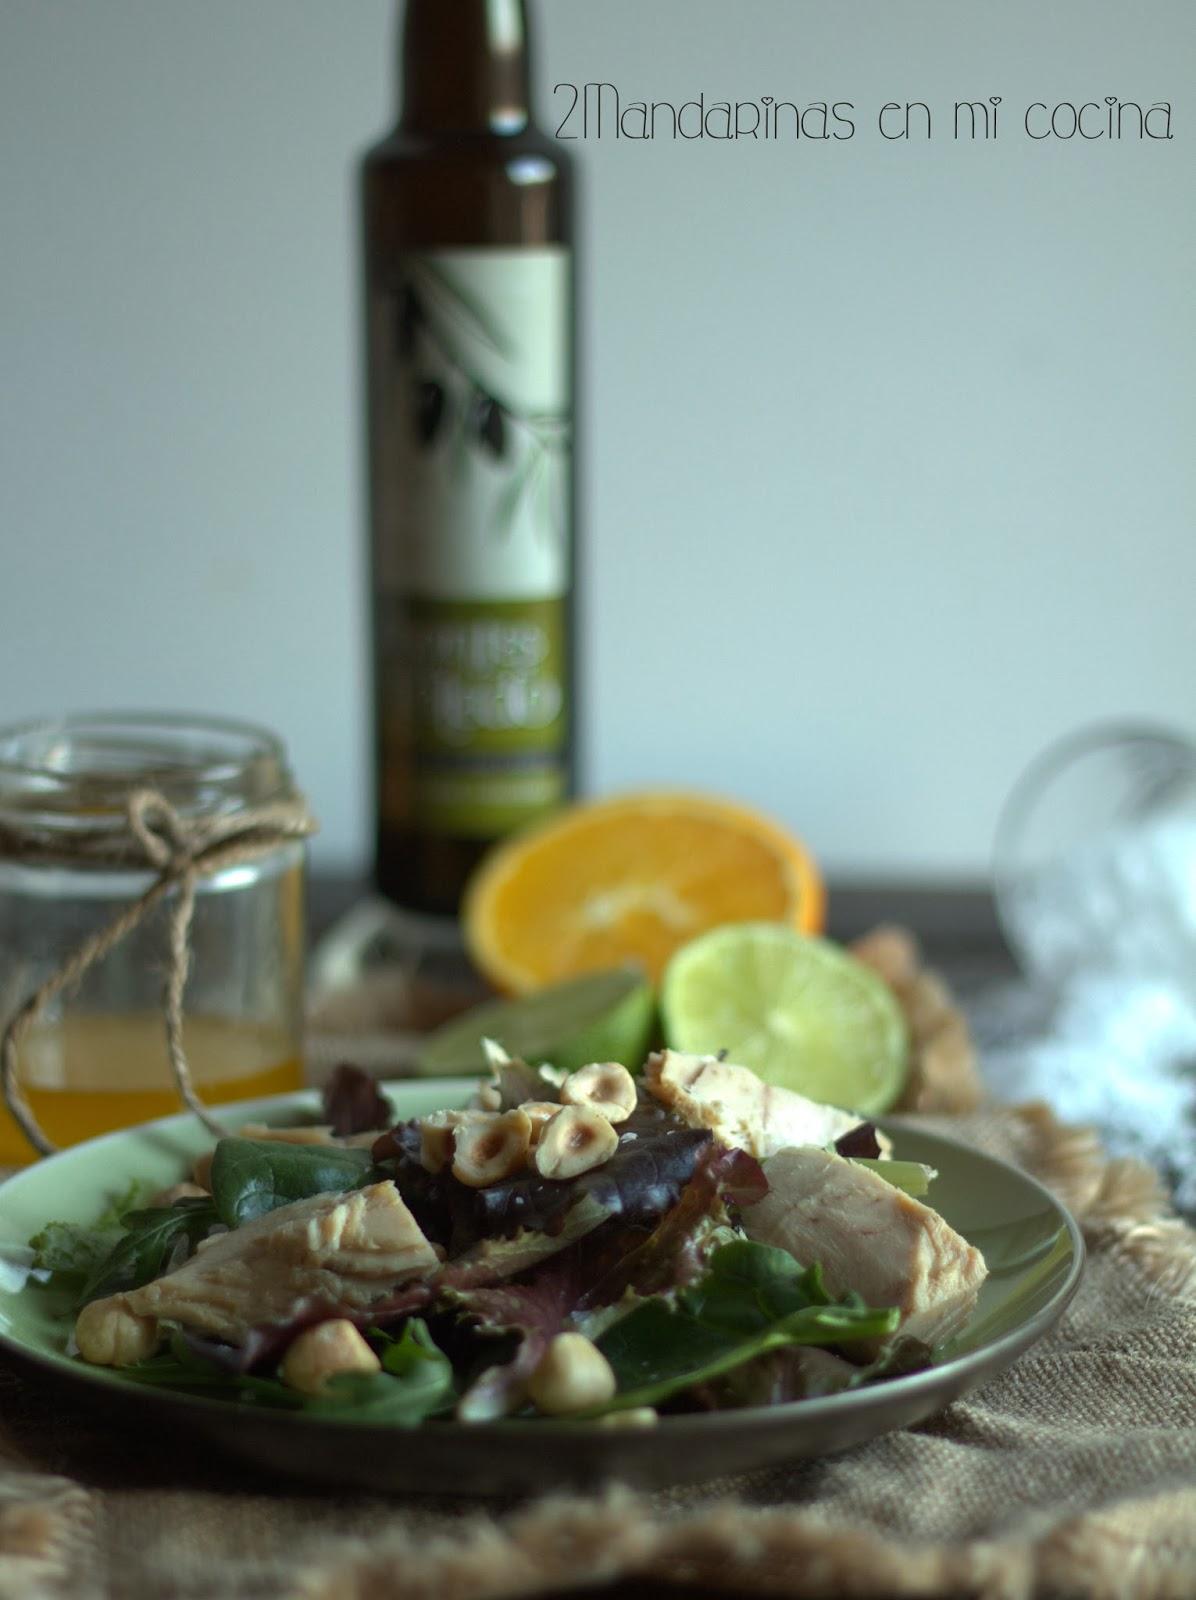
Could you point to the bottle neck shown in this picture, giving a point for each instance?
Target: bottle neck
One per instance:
(465, 67)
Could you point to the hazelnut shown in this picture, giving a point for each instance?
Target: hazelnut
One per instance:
(575, 1140)
(633, 1417)
(486, 1152)
(110, 1335)
(324, 1352)
(436, 1135)
(605, 1085)
(540, 1113)
(572, 1375)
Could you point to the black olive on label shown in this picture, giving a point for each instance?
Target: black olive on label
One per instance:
(488, 423)
(411, 320)
(429, 409)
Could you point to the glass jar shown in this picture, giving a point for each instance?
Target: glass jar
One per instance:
(96, 1058)
(1095, 861)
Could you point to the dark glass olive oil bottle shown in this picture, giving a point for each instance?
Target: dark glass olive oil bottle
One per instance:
(469, 329)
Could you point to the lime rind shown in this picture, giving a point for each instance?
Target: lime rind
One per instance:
(799, 1010)
(605, 1016)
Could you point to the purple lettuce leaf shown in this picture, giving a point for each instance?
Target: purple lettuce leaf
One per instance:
(596, 1271)
(353, 1102)
(266, 1344)
(537, 1310)
(858, 1142)
(490, 1261)
(654, 1160)
(262, 1345)
(674, 1252)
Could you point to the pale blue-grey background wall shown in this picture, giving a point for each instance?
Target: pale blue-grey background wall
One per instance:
(888, 445)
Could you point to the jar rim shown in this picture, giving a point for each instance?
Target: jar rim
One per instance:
(91, 760)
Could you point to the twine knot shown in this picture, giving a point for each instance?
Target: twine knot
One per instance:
(181, 851)
(160, 831)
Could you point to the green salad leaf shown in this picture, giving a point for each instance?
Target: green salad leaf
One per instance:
(753, 1298)
(251, 1177)
(416, 1381)
(145, 1249)
(180, 1368)
(71, 1252)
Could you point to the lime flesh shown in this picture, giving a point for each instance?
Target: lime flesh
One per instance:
(605, 1016)
(798, 1010)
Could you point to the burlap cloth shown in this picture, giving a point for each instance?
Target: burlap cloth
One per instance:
(1073, 1474)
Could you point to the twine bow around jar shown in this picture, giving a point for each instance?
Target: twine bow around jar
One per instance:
(181, 851)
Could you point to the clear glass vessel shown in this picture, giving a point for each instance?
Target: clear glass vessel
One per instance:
(97, 1058)
(1095, 864)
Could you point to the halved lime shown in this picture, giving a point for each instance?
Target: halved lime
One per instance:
(798, 1010)
(605, 1016)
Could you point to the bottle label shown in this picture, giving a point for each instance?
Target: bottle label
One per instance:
(472, 454)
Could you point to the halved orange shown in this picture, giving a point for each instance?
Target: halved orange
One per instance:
(630, 879)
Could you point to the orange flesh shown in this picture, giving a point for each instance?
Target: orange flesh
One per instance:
(632, 880)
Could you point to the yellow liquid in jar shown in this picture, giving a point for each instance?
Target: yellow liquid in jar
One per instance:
(89, 1074)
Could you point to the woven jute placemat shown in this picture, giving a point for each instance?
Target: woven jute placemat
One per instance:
(1073, 1474)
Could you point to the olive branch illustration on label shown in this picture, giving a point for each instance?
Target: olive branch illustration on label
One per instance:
(438, 314)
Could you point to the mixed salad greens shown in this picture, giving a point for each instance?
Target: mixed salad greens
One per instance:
(568, 1246)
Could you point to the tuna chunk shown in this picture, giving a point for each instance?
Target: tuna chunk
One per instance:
(870, 1237)
(738, 1108)
(349, 1249)
(319, 1133)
